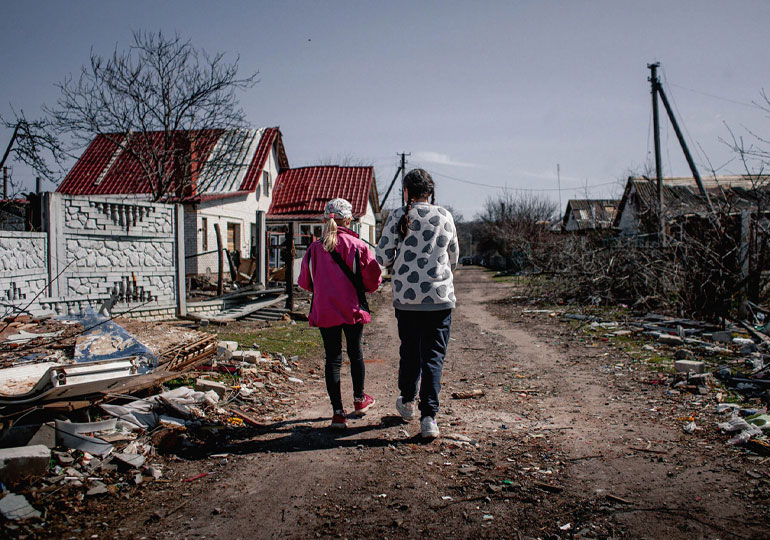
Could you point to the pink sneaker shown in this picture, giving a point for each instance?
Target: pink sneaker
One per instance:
(362, 405)
(339, 420)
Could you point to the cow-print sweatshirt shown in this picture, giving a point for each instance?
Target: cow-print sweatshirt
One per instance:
(423, 260)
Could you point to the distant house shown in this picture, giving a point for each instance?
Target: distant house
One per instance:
(638, 209)
(589, 214)
(233, 179)
(301, 194)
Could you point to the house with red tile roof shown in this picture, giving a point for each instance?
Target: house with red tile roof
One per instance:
(301, 194)
(228, 177)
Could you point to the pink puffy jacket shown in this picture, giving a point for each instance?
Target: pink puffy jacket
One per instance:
(335, 301)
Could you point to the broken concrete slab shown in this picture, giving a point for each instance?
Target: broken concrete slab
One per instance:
(668, 339)
(23, 461)
(64, 459)
(688, 366)
(231, 346)
(684, 354)
(722, 336)
(251, 356)
(131, 461)
(206, 385)
(15, 507)
(45, 435)
(97, 488)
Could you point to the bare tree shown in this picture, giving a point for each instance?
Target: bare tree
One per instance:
(34, 144)
(162, 101)
(515, 226)
(755, 159)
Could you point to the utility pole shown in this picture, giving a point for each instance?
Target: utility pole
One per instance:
(558, 179)
(656, 134)
(403, 172)
(400, 169)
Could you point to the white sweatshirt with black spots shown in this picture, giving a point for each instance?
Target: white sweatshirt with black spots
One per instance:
(423, 260)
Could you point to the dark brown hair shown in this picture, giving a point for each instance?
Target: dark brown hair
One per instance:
(419, 183)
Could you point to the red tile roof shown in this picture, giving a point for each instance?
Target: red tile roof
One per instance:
(303, 192)
(270, 136)
(107, 168)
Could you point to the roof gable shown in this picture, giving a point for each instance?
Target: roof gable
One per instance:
(681, 195)
(590, 213)
(221, 161)
(304, 192)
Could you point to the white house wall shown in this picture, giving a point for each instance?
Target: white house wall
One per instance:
(239, 210)
(368, 230)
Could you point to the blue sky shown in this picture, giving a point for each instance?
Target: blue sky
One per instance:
(493, 93)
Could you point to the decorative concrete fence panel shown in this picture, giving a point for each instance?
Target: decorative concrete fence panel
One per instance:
(23, 270)
(124, 251)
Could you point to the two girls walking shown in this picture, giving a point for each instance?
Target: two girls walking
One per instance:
(419, 242)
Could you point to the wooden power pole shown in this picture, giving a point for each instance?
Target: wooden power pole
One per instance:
(656, 136)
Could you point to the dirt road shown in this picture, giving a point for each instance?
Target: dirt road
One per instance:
(567, 442)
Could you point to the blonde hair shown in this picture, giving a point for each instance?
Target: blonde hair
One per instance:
(330, 235)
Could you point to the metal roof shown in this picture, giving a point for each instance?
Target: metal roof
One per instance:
(682, 197)
(591, 213)
(231, 161)
(305, 191)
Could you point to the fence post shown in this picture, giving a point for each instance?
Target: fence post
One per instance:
(54, 224)
(181, 292)
(261, 239)
(289, 274)
(220, 261)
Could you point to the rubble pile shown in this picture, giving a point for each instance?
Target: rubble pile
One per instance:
(86, 435)
(729, 366)
(732, 365)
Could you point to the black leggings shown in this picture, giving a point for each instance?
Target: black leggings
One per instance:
(332, 338)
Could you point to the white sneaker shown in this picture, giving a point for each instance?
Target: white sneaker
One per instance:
(406, 410)
(429, 428)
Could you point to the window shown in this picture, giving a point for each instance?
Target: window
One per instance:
(204, 234)
(266, 183)
(233, 236)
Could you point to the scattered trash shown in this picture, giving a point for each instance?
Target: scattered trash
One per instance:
(468, 394)
(196, 477)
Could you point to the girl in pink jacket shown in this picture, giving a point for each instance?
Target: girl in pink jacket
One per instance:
(338, 269)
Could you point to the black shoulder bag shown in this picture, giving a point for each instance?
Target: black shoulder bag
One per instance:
(355, 279)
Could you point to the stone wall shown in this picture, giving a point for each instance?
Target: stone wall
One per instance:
(109, 246)
(23, 269)
(100, 248)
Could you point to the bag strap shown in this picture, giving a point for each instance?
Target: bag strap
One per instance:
(355, 278)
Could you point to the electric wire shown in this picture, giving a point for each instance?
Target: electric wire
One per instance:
(504, 188)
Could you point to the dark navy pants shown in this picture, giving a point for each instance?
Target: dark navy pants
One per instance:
(424, 339)
(332, 338)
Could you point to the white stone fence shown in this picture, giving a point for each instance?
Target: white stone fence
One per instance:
(97, 249)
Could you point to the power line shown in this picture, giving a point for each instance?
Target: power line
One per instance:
(714, 96)
(514, 189)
